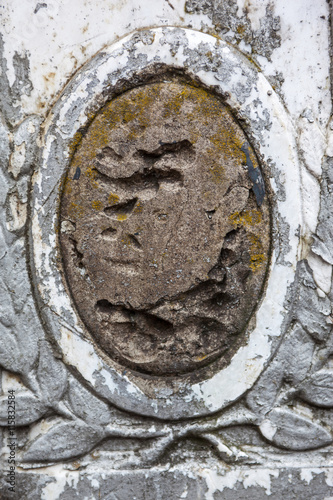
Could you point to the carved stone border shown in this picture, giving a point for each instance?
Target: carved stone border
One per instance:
(215, 64)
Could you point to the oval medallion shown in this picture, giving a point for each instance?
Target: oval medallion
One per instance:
(165, 230)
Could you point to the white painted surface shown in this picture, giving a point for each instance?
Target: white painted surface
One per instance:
(63, 36)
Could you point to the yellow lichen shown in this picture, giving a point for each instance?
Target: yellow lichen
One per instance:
(256, 261)
(113, 199)
(202, 357)
(75, 142)
(246, 218)
(217, 172)
(92, 174)
(203, 102)
(97, 205)
(121, 217)
(138, 208)
(241, 29)
(68, 185)
(257, 256)
(76, 210)
(228, 143)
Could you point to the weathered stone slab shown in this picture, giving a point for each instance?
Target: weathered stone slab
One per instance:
(165, 252)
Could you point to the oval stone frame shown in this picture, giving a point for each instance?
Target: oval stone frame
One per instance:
(215, 65)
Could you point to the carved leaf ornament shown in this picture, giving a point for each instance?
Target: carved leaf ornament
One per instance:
(118, 179)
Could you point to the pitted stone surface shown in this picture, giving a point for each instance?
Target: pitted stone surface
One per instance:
(164, 246)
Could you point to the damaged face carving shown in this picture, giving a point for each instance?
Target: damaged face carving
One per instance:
(164, 245)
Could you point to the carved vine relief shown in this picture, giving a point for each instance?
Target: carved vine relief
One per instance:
(169, 198)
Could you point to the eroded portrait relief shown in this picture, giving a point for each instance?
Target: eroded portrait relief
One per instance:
(165, 229)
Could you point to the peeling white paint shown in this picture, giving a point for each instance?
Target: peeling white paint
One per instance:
(322, 272)
(58, 483)
(59, 42)
(185, 492)
(9, 381)
(311, 201)
(305, 34)
(312, 143)
(308, 474)
(268, 429)
(219, 482)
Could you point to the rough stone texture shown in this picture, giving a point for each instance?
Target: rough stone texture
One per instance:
(165, 247)
(73, 441)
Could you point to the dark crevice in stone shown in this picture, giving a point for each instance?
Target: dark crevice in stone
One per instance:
(121, 208)
(165, 147)
(78, 256)
(149, 178)
(110, 153)
(142, 319)
(210, 213)
(224, 298)
(135, 241)
(109, 233)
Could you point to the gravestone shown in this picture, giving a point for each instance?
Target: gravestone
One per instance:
(166, 250)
